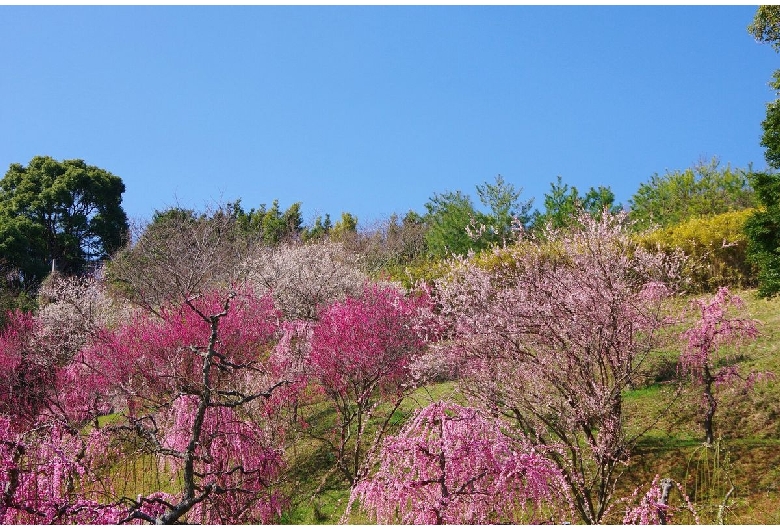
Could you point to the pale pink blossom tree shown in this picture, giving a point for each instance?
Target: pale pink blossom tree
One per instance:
(452, 465)
(550, 332)
(703, 356)
(654, 507)
(304, 277)
(73, 310)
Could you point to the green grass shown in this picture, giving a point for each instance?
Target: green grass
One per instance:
(747, 422)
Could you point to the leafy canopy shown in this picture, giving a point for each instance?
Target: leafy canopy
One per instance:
(455, 226)
(702, 190)
(66, 211)
(763, 233)
(763, 227)
(563, 203)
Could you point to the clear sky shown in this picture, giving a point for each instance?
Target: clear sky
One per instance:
(373, 109)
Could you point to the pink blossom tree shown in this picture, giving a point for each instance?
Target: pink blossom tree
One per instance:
(361, 352)
(550, 332)
(703, 356)
(452, 465)
(45, 459)
(191, 380)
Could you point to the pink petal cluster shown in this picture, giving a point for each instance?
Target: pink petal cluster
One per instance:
(365, 344)
(714, 329)
(39, 471)
(651, 508)
(360, 354)
(452, 465)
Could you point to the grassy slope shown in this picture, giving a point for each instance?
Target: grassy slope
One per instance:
(748, 455)
(311, 502)
(747, 422)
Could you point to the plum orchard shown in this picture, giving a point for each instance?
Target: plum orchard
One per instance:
(194, 381)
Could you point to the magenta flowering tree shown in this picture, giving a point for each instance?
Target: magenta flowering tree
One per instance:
(46, 461)
(703, 356)
(48, 476)
(452, 465)
(190, 385)
(361, 352)
(26, 369)
(550, 333)
(189, 380)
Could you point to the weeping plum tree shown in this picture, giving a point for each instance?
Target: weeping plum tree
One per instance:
(189, 378)
(50, 474)
(186, 384)
(47, 459)
(703, 357)
(361, 354)
(551, 333)
(453, 465)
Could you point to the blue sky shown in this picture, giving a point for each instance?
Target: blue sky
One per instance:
(373, 109)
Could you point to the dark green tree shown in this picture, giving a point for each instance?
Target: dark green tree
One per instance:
(770, 139)
(448, 215)
(763, 232)
(67, 212)
(705, 189)
(277, 227)
(766, 28)
(175, 213)
(455, 226)
(763, 227)
(249, 222)
(766, 25)
(319, 230)
(599, 199)
(271, 226)
(506, 210)
(563, 202)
